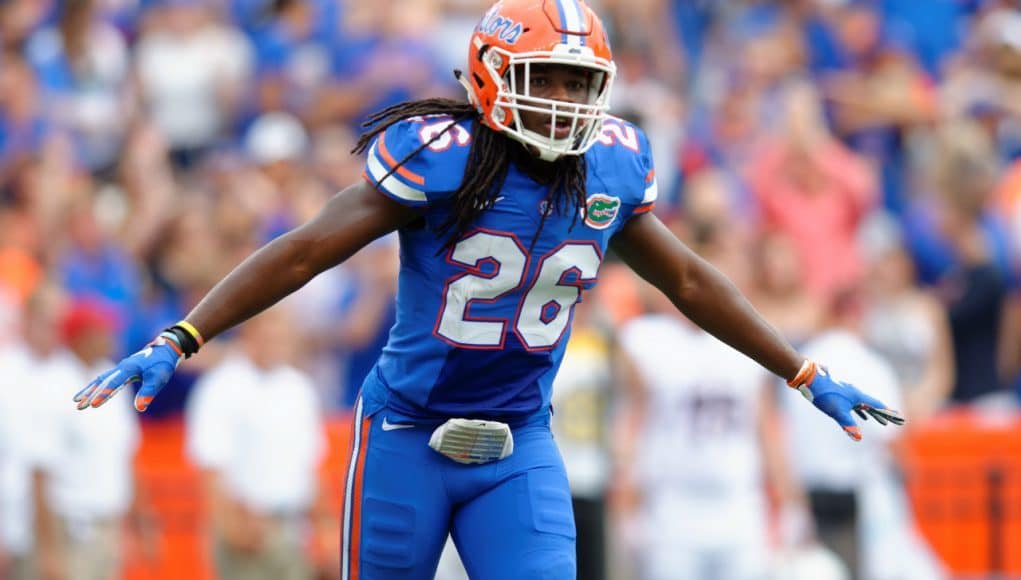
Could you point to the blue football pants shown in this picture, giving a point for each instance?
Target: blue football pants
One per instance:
(510, 519)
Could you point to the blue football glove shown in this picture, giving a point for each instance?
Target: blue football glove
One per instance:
(152, 366)
(837, 399)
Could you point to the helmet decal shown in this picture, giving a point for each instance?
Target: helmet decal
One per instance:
(505, 29)
(571, 22)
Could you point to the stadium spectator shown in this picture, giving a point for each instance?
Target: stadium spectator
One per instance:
(814, 190)
(57, 525)
(24, 122)
(278, 146)
(192, 72)
(708, 219)
(875, 91)
(140, 204)
(382, 58)
(254, 427)
(642, 27)
(982, 82)
(92, 510)
(974, 289)
(777, 290)
(905, 324)
(82, 63)
(42, 191)
(34, 359)
(94, 265)
(292, 59)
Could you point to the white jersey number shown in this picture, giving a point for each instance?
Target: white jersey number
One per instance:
(497, 266)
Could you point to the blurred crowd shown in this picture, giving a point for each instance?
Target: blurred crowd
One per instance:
(851, 164)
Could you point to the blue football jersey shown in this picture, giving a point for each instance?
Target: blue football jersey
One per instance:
(481, 326)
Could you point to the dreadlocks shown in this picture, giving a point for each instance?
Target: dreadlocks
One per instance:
(486, 170)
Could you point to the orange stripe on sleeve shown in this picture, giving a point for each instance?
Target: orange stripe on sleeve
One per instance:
(650, 176)
(356, 501)
(391, 162)
(372, 182)
(644, 208)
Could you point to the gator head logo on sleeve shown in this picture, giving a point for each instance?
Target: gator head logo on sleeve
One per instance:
(602, 209)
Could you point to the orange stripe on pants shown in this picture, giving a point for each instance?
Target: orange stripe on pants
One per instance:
(356, 500)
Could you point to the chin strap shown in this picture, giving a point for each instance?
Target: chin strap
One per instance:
(544, 154)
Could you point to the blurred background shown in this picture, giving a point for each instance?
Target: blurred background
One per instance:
(850, 164)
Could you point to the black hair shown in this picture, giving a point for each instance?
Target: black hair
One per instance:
(488, 162)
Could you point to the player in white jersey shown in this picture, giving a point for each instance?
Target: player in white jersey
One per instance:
(700, 458)
(255, 430)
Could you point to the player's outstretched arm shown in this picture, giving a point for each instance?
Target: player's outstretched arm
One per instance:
(711, 301)
(349, 221)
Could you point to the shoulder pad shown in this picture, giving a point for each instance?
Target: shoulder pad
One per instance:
(417, 160)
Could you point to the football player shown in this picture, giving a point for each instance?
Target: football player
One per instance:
(505, 206)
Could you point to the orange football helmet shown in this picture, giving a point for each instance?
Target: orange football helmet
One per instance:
(529, 32)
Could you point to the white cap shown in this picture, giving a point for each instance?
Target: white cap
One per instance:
(276, 137)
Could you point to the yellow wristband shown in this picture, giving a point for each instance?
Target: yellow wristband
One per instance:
(194, 332)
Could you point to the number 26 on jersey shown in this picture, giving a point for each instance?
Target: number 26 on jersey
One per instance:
(496, 268)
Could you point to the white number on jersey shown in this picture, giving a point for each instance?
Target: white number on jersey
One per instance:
(612, 133)
(546, 307)
(456, 134)
(505, 254)
(714, 415)
(497, 265)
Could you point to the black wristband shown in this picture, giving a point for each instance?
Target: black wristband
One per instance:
(184, 338)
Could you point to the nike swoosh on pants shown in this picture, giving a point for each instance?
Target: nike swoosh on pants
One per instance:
(388, 426)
